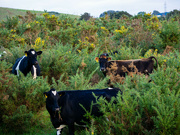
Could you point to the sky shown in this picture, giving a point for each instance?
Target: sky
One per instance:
(94, 7)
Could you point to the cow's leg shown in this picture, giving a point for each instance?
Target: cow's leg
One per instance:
(59, 129)
(71, 128)
(58, 132)
(33, 72)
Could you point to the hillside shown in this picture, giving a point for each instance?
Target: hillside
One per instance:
(10, 12)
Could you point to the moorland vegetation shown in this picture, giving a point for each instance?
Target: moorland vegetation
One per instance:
(69, 48)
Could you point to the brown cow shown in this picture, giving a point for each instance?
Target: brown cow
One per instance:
(144, 66)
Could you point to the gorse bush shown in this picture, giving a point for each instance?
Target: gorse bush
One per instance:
(21, 118)
(170, 34)
(69, 48)
(20, 97)
(145, 108)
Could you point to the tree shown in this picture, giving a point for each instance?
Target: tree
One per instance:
(86, 16)
(155, 12)
(141, 13)
(115, 14)
(119, 14)
(173, 14)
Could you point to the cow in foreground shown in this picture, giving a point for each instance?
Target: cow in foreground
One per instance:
(27, 63)
(68, 107)
(144, 66)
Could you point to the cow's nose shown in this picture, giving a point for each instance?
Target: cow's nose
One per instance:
(36, 63)
(56, 109)
(102, 69)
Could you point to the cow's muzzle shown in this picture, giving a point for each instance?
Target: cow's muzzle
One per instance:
(57, 113)
(36, 63)
(56, 109)
(103, 69)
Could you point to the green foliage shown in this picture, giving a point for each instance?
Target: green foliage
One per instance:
(69, 48)
(11, 23)
(173, 14)
(20, 120)
(145, 108)
(170, 34)
(19, 98)
(120, 14)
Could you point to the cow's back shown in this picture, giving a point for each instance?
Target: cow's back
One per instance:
(22, 64)
(14, 71)
(74, 103)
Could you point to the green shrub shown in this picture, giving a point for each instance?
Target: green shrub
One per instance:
(170, 34)
(20, 121)
(145, 108)
(20, 98)
(11, 23)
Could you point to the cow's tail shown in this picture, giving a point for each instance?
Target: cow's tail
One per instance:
(152, 57)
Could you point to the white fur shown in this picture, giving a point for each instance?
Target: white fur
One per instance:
(80, 125)
(35, 74)
(33, 52)
(61, 127)
(17, 68)
(58, 132)
(54, 93)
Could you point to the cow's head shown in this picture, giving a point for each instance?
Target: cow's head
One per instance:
(32, 61)
(52, 98)
(32, 56)
(103, 59)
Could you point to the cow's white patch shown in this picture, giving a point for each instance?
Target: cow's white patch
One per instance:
(33, 52)
(58, 132)
(59, 129)
(35, 74)
(54, 93)
(17, 68)
(80, 125)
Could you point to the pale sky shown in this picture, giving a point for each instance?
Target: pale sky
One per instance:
(94, 7)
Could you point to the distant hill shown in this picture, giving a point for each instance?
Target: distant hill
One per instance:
(10, 12)
(155, 12)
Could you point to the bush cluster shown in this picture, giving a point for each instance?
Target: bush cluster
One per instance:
(69, 48)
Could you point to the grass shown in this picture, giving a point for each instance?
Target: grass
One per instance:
(10, 12)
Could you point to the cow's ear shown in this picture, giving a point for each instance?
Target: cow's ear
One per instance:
(45, 94)
(97, 59)
(39, 53)
(61, 93)
(109, 58)
(26, 53)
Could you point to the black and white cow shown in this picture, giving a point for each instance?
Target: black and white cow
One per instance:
(69, 104)
(27, 63)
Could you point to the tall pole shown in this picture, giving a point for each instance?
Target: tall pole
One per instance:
(165, 8)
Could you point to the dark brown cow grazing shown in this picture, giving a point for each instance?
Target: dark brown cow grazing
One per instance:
(144, 66)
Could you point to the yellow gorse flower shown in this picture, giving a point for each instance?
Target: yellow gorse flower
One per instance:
(122, 30)
(39, 43)
(103, 28)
